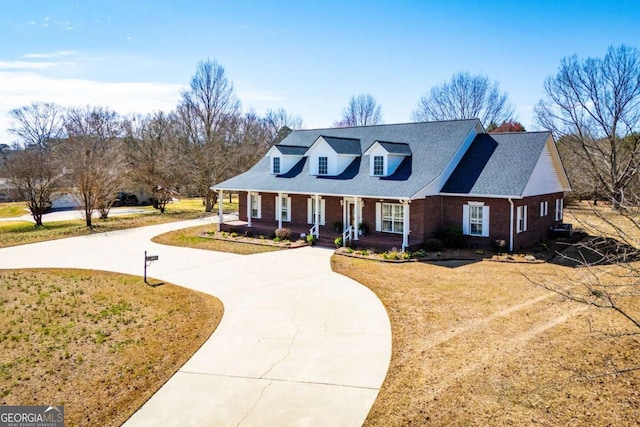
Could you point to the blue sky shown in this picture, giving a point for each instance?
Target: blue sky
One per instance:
(310, 58)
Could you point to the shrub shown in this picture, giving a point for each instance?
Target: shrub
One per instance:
(338, 241)
(248, 233)
(499, 246)
(283, 233)
(338, 226)
(234, 234)
(363, 227)
(452, 236)
(311, 239)
(433, 245)
(276, 239)
(421, 253)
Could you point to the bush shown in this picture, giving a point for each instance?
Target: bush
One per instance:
(338, 227)
(421, 252)
(499, 246)
(234, 234)
(338, 241)
(283, 234)
(452, 236)
(363, 227)
(248, 233)
(311, 239)
(433, 245)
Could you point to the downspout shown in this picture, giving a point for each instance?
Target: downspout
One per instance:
(511, 226)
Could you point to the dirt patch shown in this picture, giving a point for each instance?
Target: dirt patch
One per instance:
(99, 343)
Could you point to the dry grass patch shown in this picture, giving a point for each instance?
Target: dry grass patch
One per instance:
(12, 209)
(99, 343)
(192, 238)
(478, 344)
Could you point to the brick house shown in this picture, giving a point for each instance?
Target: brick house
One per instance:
(401, 184)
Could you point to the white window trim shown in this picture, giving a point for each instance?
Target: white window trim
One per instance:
(326, 165)
(559, 209)
(544, 208)
(466, 219)
(380, 217)
(273, 165)
(311, 210)
(258, 207)
(278, 211)
(373, 166)
(521, 219)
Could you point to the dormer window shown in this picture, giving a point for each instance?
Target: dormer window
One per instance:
(323, 165)
(378, 165)
(275, 166)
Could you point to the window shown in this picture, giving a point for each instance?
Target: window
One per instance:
(475, 219)
(392, 218)
(378, 165)
(311, 211)
(322, 166)
(559, 206)
(544, 208)
(284, 209)
(255, 205)
(521, 219)
(276, 165)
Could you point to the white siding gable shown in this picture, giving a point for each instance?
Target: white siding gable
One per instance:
(391, 161)
(287, 161)
(336, 163)
(548, 175)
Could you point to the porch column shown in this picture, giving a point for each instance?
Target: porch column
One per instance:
(279, 209)
(345, 207)
(317, 216)
(406, 219)
(220, 209)
(249, 209)
(356, 218)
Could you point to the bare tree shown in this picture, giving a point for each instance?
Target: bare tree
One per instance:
(94, 154)
(280, 124)
(595, 103)
(465, 97)
(362, 110)
(205, 111)
(153, 155)
(37, 124)
(33, 174)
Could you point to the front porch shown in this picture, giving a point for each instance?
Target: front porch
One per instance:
(374, 241)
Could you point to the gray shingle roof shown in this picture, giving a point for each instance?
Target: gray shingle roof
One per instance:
(291, 150)
(432, 144)
(344, 145)
(396, 147)
(497, 164)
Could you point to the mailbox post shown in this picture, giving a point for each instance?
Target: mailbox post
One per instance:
(148, 259)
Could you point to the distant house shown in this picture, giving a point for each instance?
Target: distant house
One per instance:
(405, 183)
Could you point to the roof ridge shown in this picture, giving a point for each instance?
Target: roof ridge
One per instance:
(387, 124)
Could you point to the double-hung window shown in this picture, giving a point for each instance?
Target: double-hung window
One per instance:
(392, 218)
(323, 166)
(275, 168)
(521, 219)
(475, 220)
(378, 165)
(255, 205)
(559, 206)
(544, 208)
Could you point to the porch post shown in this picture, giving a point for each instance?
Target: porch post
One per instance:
(220, 209)
(317, 216)
(279, 209)
(344, 214)
(249, 209)
(406, 218)
(356, 218)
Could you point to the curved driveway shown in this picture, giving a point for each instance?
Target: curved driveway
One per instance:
(297, 345)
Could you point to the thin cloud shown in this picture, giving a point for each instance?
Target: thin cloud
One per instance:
(29, 65)
(49, 55)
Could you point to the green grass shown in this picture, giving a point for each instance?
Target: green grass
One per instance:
(14, 233)
(13, 209)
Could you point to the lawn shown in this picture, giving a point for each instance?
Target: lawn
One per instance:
(18, 233)
(12, 209)
(99, 343)
(190, 238)
(479, 344)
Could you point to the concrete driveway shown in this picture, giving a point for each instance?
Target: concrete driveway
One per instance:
(298, 344)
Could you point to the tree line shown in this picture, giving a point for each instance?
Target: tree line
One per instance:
(591, 105)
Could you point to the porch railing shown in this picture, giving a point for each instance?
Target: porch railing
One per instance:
(314, 231)
(347, 235)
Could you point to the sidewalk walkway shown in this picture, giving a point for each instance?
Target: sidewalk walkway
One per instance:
(297, 345)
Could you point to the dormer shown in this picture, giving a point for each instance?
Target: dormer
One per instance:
(330, 156)
(283, 157)
(385, 157)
